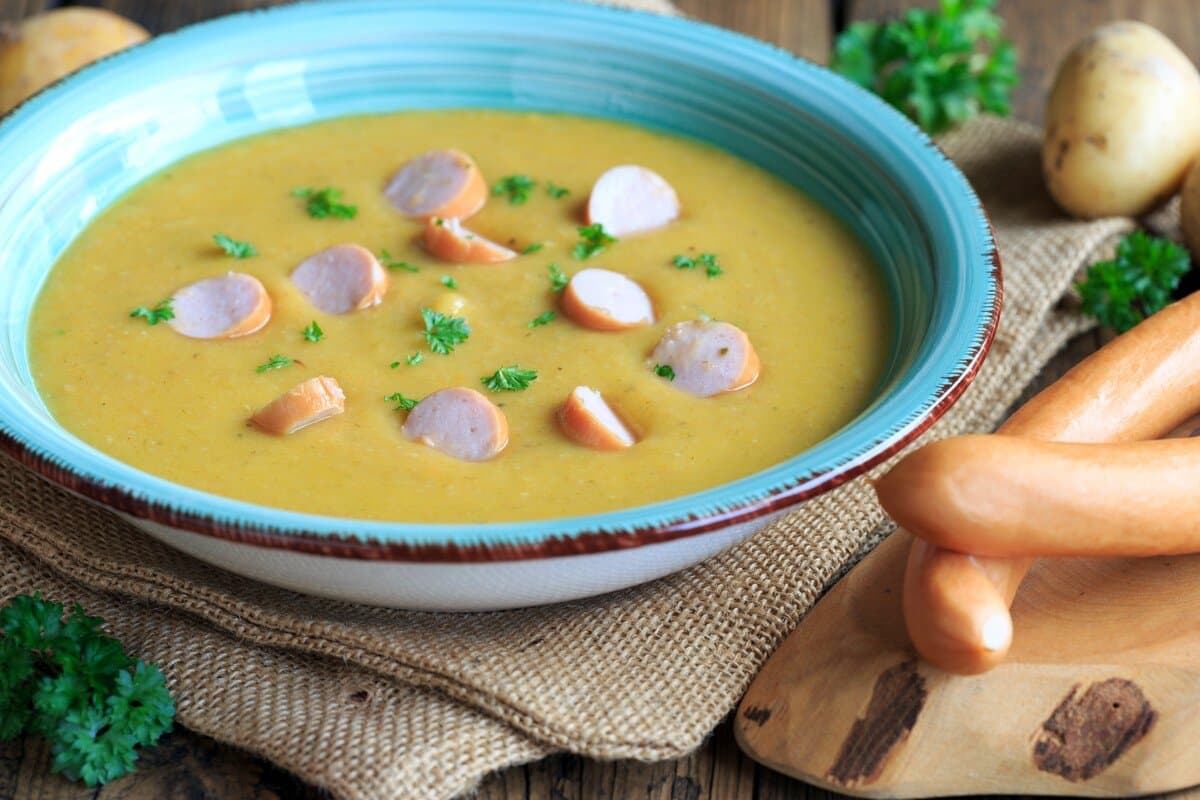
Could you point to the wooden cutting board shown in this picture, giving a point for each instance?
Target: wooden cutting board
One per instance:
(1100, 695)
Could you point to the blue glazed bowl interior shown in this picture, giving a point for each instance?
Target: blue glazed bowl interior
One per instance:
(80, 145)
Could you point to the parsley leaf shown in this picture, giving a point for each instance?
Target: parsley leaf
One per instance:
(938, 67)
(275, 362)
(233, 247)
(449, 282)
(509, 379)
(517, 187)
(414, 359)
(558, 278)
(442, 332)
(388, 261)
(1138, 282)
(161, 312)
(593, 241)
(557, 192)
(545, 318)
(68, 681)
(402, 403)
(532, 248)
(709, 260)
(665, 371)
(322, 203)
(312, 332)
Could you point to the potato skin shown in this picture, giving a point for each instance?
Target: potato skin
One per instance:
(1122, 122)
(45, 47)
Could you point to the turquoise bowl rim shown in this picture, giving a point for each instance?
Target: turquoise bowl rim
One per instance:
(951, 356)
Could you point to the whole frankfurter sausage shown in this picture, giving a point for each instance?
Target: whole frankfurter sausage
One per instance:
(1010, 496)
(1138, 386)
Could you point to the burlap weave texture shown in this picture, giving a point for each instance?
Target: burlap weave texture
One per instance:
(380, 703)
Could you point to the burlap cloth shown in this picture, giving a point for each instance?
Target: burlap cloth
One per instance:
(374, 703)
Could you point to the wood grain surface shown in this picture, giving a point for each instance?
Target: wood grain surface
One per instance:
(186, 765)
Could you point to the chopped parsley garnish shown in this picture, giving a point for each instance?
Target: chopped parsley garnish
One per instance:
(233, 247)
(312, 332)
(665, 371)
(1138, 282)
(394, 364)
(449, 282)
(414, 359)
(390, 262)
(557, 192)
(402, 403)
(558, 278)
(532, 248)
(442, 332)
(275, 362)
(509, 379)
(545, 318)
(517, 187)
(69, 682)
(322, 203)
(161, 312)
(593, 240)
(708, 260)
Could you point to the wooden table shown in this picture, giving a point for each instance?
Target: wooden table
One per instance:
(192, 766)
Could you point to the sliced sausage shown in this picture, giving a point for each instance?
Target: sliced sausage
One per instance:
(231, 305)
(442, 183)
(459, 422)
(604, 300)
(1010, 496)
(588, 419)
(446, 238)
(312, 401)
(708, 357)
(341, 279)
(631, 199)
(1138, 386)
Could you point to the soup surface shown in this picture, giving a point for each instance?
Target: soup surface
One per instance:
(794, 279)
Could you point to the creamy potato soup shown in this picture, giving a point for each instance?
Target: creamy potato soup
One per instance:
(743, 323)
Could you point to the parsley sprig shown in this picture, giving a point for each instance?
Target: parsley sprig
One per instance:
(444, 333)
(592, 241)
(402, 403)
(712, 268)
(939, 67)
(449, 282)
(665, 371)
(1138, 282)
(517, 187)
(389, 261)
(66, 680)
(160, 312)
(555, 191)
(233, 247)
(558, 278)
(276, 361)
(545, 318)
(322, 203)
(312, 332)
(509, 379)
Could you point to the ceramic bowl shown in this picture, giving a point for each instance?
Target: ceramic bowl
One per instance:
(75, 148)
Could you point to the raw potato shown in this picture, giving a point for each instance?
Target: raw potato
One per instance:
(45, 47)
(1122, 122)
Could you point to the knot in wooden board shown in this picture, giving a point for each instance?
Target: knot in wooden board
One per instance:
(1087, 732)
